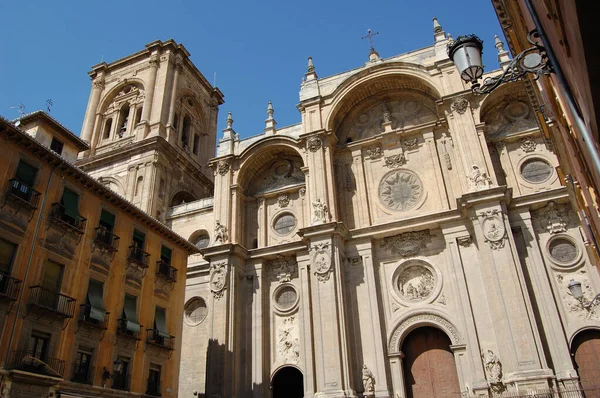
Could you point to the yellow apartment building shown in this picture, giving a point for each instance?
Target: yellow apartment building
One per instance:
(91, 287)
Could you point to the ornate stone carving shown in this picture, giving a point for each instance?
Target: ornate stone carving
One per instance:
(415, 283)
(355, 261)
(218, 279)
(98, 84)
(313, 144)
(279, 174)
(223, 167)
(283, 200)
(479, 179)
(411, 143)
(431, 319)
(528, 144)
(464, 241)
(493, 370)
(408, 243)
(572, 305)
(445, 140)
(442, 299)
(320, 212)
(505, 120)
(368, 382)
(553, 217)
(284, 268)
(460, 105)
(395, 161)
(288, 342)
(400, 190)
(221, 234)
(302, 192)
(493, 228)
(374, 153)
(321, 261)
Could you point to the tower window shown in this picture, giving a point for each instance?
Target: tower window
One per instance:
(56, 146)
(107, 128)
(175, 121)
(123, 120)
(138, 115)
(185, 132)
(196, 142)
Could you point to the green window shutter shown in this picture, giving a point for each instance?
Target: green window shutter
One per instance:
(107, 220)
(70, 200)
(165, 254)
(129, 310)
(97, 310)
(139, 238)
(52, 277)
(7, 253)
(26, 173)
(160, 322)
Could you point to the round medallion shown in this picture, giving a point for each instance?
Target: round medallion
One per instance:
(415, 283)
(493, 228)
(281, 168)
(563, 250)
(196, 310)
(284, 224)
(217, 280)
(400, 190)
(286, 297)
(516, 110)
(536, 170)
(362, 118)
(322, 262)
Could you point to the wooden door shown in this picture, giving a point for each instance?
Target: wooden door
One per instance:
(429, 367)
(586, 351)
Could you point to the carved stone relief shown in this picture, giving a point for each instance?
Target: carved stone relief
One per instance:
(283, 200)
(426, 319)
(321, 261)
(408, 243)
(553, 217)
(320, 213)
(395, 161)
(460, 105)
(400, 190)
(415, 283)
(284, 268)
(508, 119)
(479, 179)
(493, 228)
(493, 370)
(528, 144)
(221, 234)
(222, 167)
(446, 142)
(218, 279)
(374, 153)
(288, 341)
(368, 382)
(278, 174)
(411, 143)
(313, 144)
(572, 305)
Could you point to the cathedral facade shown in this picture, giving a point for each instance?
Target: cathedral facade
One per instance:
(406, 239)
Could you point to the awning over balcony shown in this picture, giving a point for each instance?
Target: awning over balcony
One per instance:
(160, 322)
(130, 314)
(97, 309)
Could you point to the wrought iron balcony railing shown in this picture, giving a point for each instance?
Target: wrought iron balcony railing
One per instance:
(122, 330)
(83, 375)
(58, 304)
(165, 270)
(28, 362)
(154, 337)
(138, 257)
(22, 193)
(85, 318)
(106, 239)
(60, 217)
(9, 287)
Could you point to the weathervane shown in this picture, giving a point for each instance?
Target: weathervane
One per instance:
(370, 37)
(49, 104)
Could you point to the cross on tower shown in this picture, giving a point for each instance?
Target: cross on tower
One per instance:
(370, 37)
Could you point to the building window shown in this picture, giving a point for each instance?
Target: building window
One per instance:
(138, 115)
(160, 334)
(536, 170)
(56, 146)
(185, 131)
(196, 310)
(196, 143)
(81, 372)
(107, 128)
(154, 381)
(51, 283)
(175, 121)
(139, 239)
(7, 254)
(22, 184)
(128, 322)
(201, 240)
(94, 307)
(38, 345)
(120, 381)
(123, 120)
(104, 235)
(284, 224)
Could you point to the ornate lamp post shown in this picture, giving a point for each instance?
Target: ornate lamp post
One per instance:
(466, 52)
(577, 292)
(117, 366)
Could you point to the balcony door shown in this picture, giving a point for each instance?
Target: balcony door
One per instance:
(51, 284)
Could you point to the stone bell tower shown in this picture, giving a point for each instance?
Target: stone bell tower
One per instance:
(151, 125)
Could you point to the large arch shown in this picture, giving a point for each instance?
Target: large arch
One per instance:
(413, 320)
(287, 382)
(585, 350)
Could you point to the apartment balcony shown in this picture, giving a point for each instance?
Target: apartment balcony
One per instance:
(138, 257)
(9, 287)
(51, 303)
(106, 240)
(59, 217)
(83, 375)
(27, 362)
(121, 382)
(155, 338)
(86, 319)
(165, 270)
(22, 194)
(128, 332)
(153, 390)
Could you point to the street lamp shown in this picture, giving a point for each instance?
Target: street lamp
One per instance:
(577, 292)
(117, 367)
(466, 52)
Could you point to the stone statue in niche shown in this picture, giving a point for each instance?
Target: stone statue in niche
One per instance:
(493, 366)
(415, 283)
(221, 235)
(479, 179)
(320, 212)
(368, 382)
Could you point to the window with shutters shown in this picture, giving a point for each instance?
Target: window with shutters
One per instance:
(164, 264)
(104, 232)
(8, 285)
(56, 146)
(93, 311)
(66, 212)
(21, 185)
(153, 388)
(128, 324)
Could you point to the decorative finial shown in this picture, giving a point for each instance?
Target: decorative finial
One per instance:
(229, 121)
(373, 55)
(270, 123)
(270, 110)
(499, 45)
(310, 68)
(450, 39)
(437, 28)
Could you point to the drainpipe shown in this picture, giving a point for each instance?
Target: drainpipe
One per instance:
(31, 251)
(585, 133)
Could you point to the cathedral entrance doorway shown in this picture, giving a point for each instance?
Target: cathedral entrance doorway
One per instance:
(429, 367)
(288, 383)
(586, 352)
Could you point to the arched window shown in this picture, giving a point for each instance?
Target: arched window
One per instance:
(200, 239)
(138, 185)
(123, 120)
(138, 115)
(182, 197)
(185, 131)
(107, 128)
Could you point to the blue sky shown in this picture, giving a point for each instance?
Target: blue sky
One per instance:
(257, 49)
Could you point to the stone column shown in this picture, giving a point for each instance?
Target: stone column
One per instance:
(320, 184)
(173, 101)
(223, 203)
(397, 372)
(92, 110)
(260, 383)
(364, 215)
(436, 167)
(306, 322)
(146, 112)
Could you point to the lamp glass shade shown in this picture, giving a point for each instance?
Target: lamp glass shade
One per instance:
(117, 366)
(575, 289)
(465, 52)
